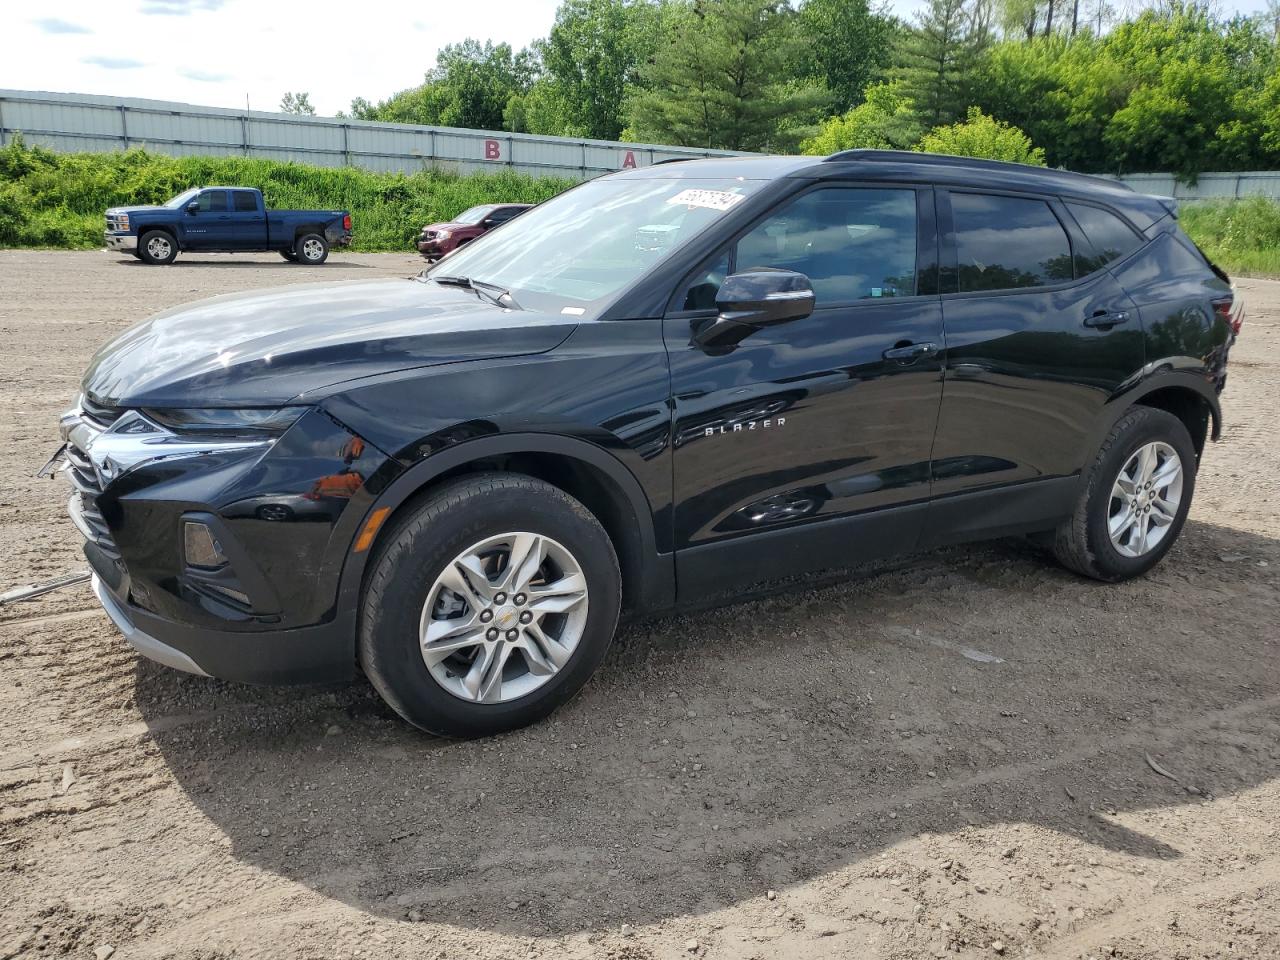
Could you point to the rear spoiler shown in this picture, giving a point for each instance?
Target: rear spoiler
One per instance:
(1170, 205)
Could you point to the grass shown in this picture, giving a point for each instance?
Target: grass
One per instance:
(57, 199)
(1240, 236)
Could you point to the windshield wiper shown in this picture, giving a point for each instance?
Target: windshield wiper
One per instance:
(496, 294)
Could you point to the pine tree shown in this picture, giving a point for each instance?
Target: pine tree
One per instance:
(937, 54)
(719, 80)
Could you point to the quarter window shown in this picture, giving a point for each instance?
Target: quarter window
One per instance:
(1110, 237)
(213, 201)
(246, 202)
(1004, 243)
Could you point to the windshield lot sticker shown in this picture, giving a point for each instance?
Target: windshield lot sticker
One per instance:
(710, 199)
(573, 311)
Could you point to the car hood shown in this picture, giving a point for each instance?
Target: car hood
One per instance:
(451, 226)
(132, 210)
(269, 347)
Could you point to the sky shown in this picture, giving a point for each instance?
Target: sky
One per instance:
(217, 52)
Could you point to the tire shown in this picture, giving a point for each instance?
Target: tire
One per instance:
(478, 518)
(311, 249)
(1085, 543)
(290, 255)
(157, 248)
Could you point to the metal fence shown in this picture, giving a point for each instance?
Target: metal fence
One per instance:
(1208, 186)
(72, 122)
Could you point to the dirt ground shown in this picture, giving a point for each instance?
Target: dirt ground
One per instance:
(946, 758)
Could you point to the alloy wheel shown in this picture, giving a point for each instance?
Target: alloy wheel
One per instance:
(158, 247)
(503, 617)
(312, 249)
(1145, 499)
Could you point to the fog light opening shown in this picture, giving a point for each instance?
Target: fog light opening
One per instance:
(201, 547)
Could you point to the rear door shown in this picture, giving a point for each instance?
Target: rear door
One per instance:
(1039, 337)
(806, 445)
(248, 224)
(209, 228)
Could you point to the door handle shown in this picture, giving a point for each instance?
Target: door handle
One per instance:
(1106, 319)
(910, 352)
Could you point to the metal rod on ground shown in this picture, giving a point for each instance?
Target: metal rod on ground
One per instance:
(39, 589)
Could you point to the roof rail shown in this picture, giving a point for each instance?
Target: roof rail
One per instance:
(948, 160)
(658, 163)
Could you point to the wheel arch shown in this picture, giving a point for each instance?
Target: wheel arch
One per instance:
(1185, 395)
(309, 228)
(585, 471)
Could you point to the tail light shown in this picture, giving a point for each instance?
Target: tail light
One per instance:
(1230, 311)
(346, 222)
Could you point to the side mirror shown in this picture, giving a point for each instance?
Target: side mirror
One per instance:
(759, 298)
(490, 222)
(193, 207)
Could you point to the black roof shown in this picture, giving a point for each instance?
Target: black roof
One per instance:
(908, 166)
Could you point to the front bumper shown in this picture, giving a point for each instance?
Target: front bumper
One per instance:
(121, 242)
(284, 513)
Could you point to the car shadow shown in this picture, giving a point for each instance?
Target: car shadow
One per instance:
(753, 746)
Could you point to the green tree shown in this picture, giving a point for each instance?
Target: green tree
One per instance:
(719, 79)
(470, 86)
(982, 136)
(886, 119)
(297, 103)
(846, 44)
(591, 57)
(937, 56)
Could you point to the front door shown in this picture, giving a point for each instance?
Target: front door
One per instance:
(807, 445)
(209, 228)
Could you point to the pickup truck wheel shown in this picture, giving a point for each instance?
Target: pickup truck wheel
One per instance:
(290, 255)
(311, 249)
(488, 605)
(157, 247)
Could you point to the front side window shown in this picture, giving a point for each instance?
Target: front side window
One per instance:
(1004, 243)
(246, 202)
(473, 215)
(1110, 237)
(572, 254)
(213, 201)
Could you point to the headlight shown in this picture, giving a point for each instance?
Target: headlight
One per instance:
(122, 221)
(443, 234)
(252, 422)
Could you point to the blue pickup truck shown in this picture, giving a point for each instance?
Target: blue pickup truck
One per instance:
(225, 220)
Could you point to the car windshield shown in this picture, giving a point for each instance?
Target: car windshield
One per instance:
(182, 199)
(573, 253)
(474, 215)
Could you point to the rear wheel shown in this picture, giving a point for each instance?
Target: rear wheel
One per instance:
(1135, 501)
(490, 603)
(311, 249)
(157, 247)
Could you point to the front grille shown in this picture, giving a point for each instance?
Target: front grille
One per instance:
(84, 502)
(99, 413)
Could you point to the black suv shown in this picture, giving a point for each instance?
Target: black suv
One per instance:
(663, 385)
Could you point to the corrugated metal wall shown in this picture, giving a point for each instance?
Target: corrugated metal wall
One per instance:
(72, 122)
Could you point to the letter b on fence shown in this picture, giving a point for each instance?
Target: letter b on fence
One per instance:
(492, 150)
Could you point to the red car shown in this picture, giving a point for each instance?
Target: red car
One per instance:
(438, 239)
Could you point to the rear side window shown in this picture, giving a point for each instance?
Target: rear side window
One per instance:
(852, 243)
(245, 202)
(1110, 237)
(1003, 243)
(213, 201)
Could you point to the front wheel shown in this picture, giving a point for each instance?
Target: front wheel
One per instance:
(311, 249)
(157, 248)
(1135, 500)
(490, 603)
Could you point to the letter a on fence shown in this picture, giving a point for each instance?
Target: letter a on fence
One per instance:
(629, 161)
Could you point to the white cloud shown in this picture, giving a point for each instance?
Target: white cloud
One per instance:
(214, 52)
